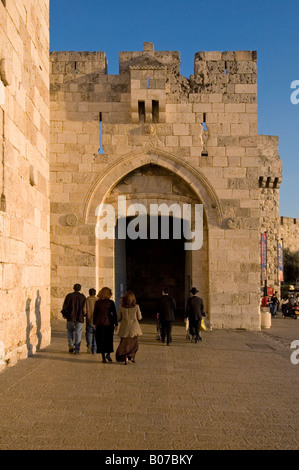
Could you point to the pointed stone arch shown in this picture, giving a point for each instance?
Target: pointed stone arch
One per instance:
(109, 178)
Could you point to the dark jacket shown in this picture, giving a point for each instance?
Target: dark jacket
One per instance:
(72, 308)
(166, 308)
(104, 313)
(274, 300)
(194, 308)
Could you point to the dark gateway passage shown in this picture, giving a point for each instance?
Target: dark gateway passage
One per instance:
(146, 266)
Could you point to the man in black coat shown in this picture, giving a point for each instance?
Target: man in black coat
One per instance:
(165, 311)
(195, 312)
(72, 311)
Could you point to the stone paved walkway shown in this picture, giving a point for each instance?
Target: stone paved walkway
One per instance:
(235, 390)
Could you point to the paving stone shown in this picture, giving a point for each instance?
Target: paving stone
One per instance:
(217, 395)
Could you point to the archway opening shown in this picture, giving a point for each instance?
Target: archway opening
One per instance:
(147, 265)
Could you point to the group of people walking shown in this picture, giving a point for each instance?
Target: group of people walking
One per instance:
(102, 321)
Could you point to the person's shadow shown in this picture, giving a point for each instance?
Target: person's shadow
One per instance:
(28, 328)
(38, 319)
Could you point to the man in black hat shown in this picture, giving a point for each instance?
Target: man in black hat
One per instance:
(72, 311)
(194, 312)
(166, 309)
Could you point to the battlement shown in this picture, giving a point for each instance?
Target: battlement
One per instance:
(70, 64)
(152, 78)
(290, 233)
(213, 64)
(227, 58)
(230, 73)
(270, 162)
(289, 221)
(149, 58)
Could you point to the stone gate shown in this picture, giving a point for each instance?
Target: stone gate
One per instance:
(154, 136)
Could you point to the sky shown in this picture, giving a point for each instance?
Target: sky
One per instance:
(270, 27)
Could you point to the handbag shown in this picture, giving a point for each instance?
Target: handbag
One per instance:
(202, 325)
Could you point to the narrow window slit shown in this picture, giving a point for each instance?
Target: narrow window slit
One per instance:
(155, 111)
(101, 150)
(141, 111)
(204, 125)
(75, 68)
(225, 68)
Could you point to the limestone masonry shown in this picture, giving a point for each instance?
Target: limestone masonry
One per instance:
(149, 134)
(165, 139)
(24, 179)
(289, 233)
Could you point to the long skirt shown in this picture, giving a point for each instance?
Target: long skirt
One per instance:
(104, 339)
(127, 347)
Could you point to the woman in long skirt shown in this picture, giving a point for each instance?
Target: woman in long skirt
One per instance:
(105, 323)
(129, 315)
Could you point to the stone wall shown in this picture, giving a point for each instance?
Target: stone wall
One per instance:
(108, 134)
(203, 130)
(289, 231)
(24, 179)
(269, 182)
